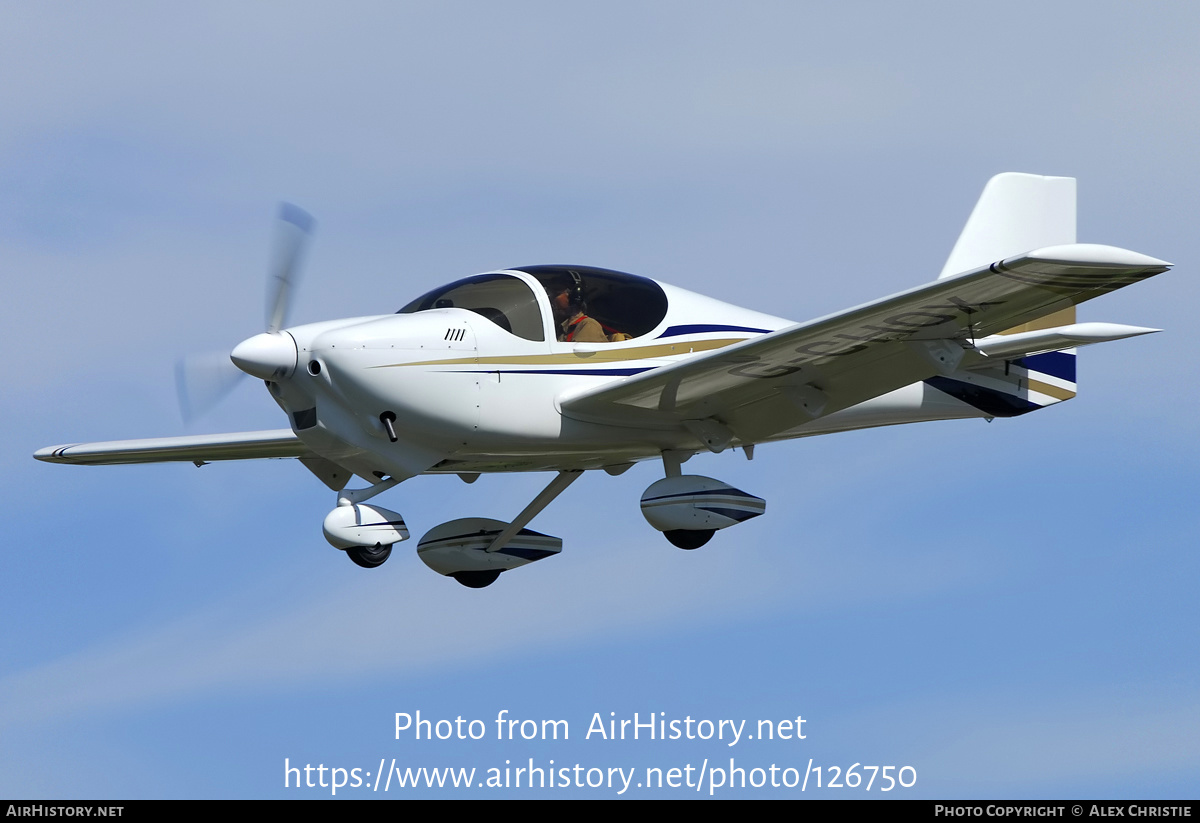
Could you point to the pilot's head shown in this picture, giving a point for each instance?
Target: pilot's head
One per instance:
(566, 300)
(566, 296)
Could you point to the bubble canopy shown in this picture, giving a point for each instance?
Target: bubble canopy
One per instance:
(625, 305)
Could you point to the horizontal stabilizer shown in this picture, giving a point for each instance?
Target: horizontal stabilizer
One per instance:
(201, 448)
(1056, 339)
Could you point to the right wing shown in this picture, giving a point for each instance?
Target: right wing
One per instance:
(768, 384)
(202, 448)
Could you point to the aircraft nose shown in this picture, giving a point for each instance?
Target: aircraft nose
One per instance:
(270, 355)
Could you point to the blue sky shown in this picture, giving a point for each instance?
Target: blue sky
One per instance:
(1009, 609)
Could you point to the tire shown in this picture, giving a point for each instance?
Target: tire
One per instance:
(369, 558)
(689, 538)
(477, 580)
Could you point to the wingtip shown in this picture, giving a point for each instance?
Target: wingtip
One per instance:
(1094, 254)
(51, 454)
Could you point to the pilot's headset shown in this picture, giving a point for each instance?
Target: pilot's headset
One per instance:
(575, 291)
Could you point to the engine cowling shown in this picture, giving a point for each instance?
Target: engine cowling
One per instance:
(691, 502)
(363, 526)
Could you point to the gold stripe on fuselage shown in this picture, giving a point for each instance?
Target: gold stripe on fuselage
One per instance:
(598, 356)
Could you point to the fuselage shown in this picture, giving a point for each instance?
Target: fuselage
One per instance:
(469, 378)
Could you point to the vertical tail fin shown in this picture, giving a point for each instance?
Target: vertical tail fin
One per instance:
(1016, 213)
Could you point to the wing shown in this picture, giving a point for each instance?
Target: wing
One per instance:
(202, 448)
(757, 388)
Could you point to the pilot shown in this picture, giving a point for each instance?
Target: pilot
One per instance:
(570, 313)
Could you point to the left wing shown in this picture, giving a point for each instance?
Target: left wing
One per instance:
(201, 448)
(772, 383)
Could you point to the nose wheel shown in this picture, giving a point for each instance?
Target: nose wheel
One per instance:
(369, 558)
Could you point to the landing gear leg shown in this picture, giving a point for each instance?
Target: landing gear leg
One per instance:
(557, 486)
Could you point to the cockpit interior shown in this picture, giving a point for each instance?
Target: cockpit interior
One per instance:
(624, 305)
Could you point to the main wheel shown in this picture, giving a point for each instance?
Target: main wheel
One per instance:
(477, 580)
(689, 538)
(369, 558)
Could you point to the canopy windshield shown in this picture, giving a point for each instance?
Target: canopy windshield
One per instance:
(503, 299)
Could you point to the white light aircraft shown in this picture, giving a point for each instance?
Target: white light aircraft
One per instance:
(569, 368)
